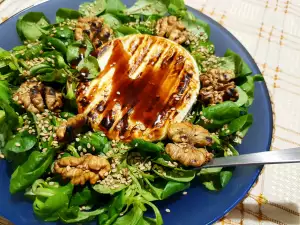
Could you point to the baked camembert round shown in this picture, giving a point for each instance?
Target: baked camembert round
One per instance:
(146, 82)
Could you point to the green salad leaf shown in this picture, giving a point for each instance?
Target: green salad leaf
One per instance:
(30, 26)
(63, 14)
(232, 61)
(89, 66)
(22, 142)
(92, 8)
(220, 114)
(147, 7)
(114, 6)
(57, 198)
(31, 170)
(111, 20)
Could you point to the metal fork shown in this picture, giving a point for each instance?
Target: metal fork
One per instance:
(261, 158)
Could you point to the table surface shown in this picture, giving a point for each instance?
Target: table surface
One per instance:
(270, 30)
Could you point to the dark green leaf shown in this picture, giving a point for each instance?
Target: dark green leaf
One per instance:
(29, 26)
(57, 75)
(93, 142)
(64, 33)
(144, 29)
(126, 30)
(114, 6)
(175, 174)
(111, 20)
(5, 93)
(63, 13)
(146, 146)
(73, 51)
(92, 8)
(82, 216)
(48, 208)
(147, 7)
(22, 142)
(104, 189)
(243, 97)
(90, 64)
(81, 197)
(177, 8)
(130, 218)
(220, 114)
(12, 118)
(225, 176)
(41, 68)
(173, 187)
(247, 85)
(57, 44)
(32, 169)
(236, 125)
(198, 28)
(232, 61)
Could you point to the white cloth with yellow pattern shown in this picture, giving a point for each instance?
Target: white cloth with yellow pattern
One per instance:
(270, 30)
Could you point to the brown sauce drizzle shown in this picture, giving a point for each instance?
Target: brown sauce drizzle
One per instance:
(145, 93)
(148, 98)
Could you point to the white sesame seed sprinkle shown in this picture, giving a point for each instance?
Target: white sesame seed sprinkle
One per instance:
(168, 210)
(18, 144)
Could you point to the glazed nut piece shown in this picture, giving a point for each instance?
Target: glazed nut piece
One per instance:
(189, 133)
(81, 170)
(33, 95)
(171, 28)
(53, 99)
(94, 28)
(188, 155)
(68, 129)
(217, 86)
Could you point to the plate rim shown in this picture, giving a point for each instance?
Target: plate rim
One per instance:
(251, 61)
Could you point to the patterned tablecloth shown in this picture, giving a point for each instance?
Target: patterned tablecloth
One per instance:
(270, 30)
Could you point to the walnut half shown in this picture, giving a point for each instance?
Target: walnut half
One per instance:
(171, 28)
(68, 129)
(187, 154)
(34, 96)
(80, 170)
(94, 28)
(186, 136)
(217, 86)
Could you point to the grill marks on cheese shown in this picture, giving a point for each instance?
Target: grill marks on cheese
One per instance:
(143, 79)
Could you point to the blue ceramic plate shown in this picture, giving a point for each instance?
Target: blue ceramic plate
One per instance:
(200, 206)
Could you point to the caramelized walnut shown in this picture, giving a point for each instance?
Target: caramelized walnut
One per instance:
(186, 136)
(187, 154)
(189, 133)
(217, 86)
(68, 129)
(173, 29)
(94, 28)
(33, 95)
(80, 170)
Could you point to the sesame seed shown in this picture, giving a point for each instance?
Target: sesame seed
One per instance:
(88, 145)
(77, 139)
(118, 93)
(1, 156)
(184, 193)
(168, 210)
(103, 135)
(18, 144)
(84, 150)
